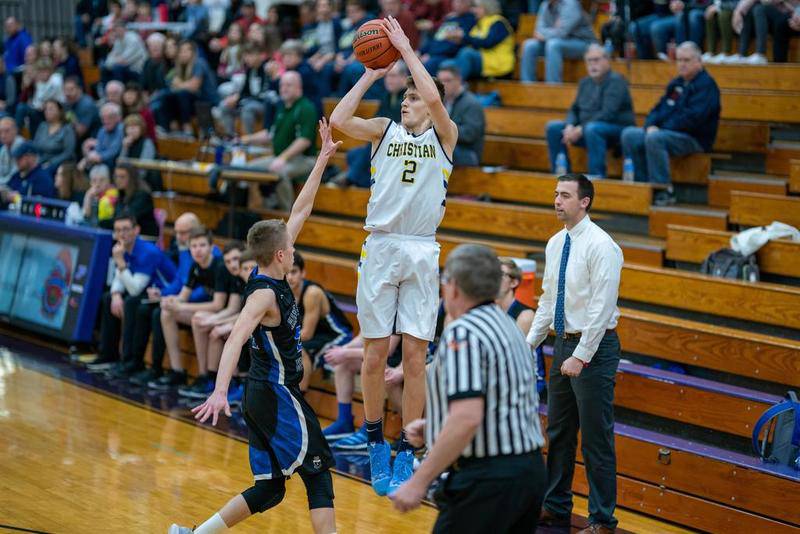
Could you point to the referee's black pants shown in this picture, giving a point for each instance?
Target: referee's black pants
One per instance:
(586, 401)
(492, 495)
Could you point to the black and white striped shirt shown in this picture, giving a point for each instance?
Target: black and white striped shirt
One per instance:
(484, 354)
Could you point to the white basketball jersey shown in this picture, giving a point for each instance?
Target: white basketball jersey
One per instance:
(409, 183)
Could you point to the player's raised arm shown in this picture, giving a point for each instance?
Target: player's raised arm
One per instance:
(343, 118)
(445, 127)
(305, 200)
(253, 312)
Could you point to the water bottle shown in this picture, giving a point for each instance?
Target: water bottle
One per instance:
(627, 170)
(561, 164)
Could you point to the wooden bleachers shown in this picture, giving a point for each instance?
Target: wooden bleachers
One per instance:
(737, 105)
(720, 187)
(537, 188)
(757, 209)
(761, 302)
(661, 217)
(728, 350)
(794, 176)
(780, 156)
(531, 154)
(693, 245)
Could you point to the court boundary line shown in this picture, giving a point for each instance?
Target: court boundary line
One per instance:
(23, 529)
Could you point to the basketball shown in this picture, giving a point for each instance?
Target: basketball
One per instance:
(372, 47)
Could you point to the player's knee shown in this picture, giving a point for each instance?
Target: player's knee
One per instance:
(216, 333)
(319, 489)
(264, 494)
(413, 365)
(374, 364)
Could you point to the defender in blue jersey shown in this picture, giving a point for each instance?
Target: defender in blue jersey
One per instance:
(285, 435)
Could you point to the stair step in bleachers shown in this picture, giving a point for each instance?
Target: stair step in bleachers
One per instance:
(720, 187)
(699, 217)
(693, 245)
(757, 209)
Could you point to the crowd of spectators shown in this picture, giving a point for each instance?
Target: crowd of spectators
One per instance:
(261, 75)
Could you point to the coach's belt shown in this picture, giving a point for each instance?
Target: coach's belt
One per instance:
(575, 336)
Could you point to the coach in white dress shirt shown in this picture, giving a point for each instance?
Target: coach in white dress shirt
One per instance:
(579, 302)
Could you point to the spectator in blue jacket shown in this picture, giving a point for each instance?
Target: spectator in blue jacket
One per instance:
(138, 264)
(683, 122)
(17, 40)
(148, 314)
(30, 179)
(439, 48)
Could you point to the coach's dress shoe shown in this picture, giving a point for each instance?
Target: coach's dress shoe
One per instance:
(595, 528)
(549, 519)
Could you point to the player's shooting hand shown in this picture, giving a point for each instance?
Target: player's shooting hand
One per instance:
(215, 403)
(415, 433)
(409, 495)
(396, 34)
(377, 74)
(329, 146)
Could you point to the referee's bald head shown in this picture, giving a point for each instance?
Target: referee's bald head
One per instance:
(475, 270)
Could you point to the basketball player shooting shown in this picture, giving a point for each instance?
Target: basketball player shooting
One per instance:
(399, 268)
(285, 435)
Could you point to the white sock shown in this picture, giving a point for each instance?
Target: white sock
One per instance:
(214, 525)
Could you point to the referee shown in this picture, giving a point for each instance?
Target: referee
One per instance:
(579, 302)
(482, 419)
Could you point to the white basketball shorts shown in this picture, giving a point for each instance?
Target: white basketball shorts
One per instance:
(398, 279)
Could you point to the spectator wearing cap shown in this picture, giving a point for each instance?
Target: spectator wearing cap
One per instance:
(30, 179)
(126, 59)
(562, 30)
(683, 122)
(466, 111)
(106, 147)
(602, 108)
(438, 47)
(9, 140)
(17, 40)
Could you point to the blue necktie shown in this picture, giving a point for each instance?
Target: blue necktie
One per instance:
(558, 321)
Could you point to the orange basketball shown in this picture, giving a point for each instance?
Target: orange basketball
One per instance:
(372, 47)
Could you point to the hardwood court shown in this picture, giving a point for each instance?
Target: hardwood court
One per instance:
(77, 461)
(74, 460)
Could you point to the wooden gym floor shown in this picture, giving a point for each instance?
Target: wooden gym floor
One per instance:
(74, 459)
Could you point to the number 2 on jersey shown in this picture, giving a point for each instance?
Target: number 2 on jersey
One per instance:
(410, 167)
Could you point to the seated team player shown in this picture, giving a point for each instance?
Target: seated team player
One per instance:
(138, 264)
(219, 333)
(204, 321)
(208, 271)
(522, 314)
(148, 314)
(270, 321)
(324, 324)
(346, 361)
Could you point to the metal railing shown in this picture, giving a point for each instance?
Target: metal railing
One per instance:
(42, 18)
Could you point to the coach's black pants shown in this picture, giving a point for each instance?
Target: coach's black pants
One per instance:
(148, 317)
(586, 401)
(111, 327)
(498, 495)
